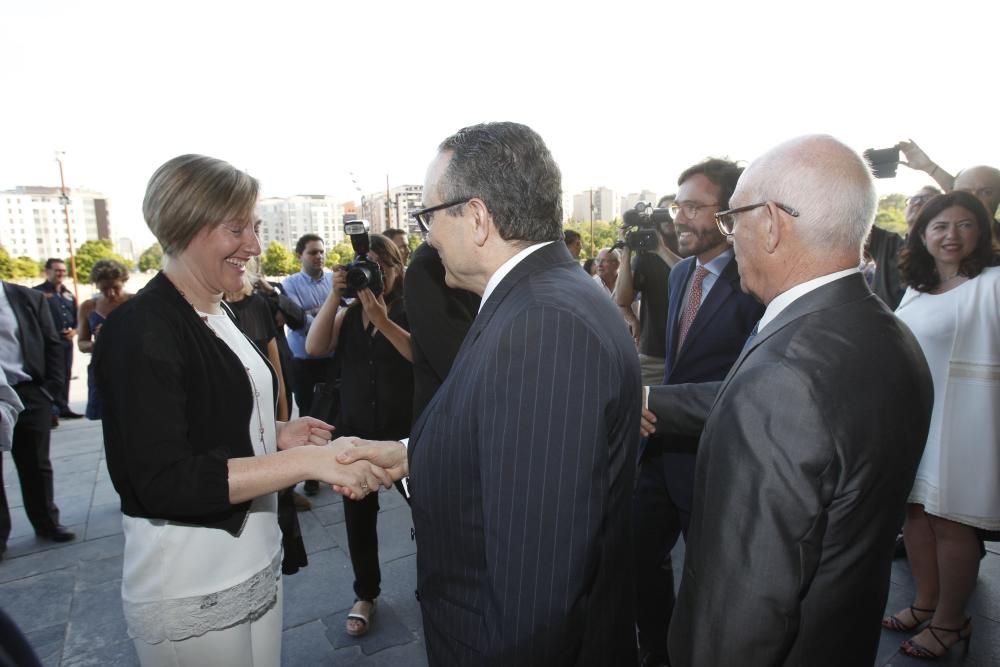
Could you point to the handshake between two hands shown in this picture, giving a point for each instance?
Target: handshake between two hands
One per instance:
(354, 467)
(363, 465)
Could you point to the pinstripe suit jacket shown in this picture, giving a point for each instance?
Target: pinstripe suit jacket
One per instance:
(522, 469)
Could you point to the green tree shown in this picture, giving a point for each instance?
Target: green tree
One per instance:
(91, 251)
(25, 267)
(151, 258)
(6, 265)
(605, 235)
(891, 213)
(342, 253)
(278, 260)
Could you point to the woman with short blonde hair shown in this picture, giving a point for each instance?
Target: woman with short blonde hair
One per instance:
(191, 440)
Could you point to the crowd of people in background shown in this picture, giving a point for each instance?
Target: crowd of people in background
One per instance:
(795, 393)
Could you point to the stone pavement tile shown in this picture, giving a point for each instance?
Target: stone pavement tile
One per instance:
(96, 620)
(387, 631)
(391, 499)
(315, 537)
(306, 646)
(320, 589)
(59, 557)
(29, 544)
(393, 534)
(75, 464)
(105, 493)
(326, 496)
(104, 520)
(986, 597)
(329, 514)
(399, 581)
(100, 571)
(48, 643)
(119, 654)
(40, 601)
(413, 654)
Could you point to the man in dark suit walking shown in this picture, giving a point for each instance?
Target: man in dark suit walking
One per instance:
(708, 319)
(522, 464)
(63, 305)
(810, 448)
(31, 356)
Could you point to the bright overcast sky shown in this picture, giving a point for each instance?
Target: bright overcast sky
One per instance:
(626, 94)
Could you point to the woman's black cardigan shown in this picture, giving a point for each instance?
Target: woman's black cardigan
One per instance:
(177, 406)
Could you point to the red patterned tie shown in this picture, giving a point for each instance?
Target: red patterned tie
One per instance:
(691, 308)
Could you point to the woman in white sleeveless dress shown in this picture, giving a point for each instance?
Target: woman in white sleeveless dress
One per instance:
(952, 304)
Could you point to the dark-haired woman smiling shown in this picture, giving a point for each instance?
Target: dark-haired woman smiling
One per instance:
(952, 304)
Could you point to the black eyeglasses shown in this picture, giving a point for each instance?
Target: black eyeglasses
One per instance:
(424, 215)
(726, 220)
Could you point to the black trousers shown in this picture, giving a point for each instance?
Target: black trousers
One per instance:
(661, 513)
(309, 372)
(30, 450)
(361, 519)
(61, 403)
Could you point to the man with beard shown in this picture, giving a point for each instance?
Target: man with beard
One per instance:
(708, 320)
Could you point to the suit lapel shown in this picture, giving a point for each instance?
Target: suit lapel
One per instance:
(554, 254)
(840, 291)
(721, 291)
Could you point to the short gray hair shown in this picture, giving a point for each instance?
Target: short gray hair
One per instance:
(191, 192)
(827, 182)
(508, 166)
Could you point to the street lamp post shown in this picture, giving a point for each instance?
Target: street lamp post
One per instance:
(64, 200)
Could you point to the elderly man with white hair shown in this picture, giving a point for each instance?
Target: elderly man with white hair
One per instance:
(809, 447)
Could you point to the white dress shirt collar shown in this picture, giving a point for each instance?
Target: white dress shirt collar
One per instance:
(785, 299)
(506, 268)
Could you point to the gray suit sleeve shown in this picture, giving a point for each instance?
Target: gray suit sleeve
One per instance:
(682, 409)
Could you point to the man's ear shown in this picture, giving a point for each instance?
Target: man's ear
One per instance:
(774, 228)
(482, 222)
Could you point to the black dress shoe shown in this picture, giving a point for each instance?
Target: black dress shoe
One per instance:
(69, 414)
(55, 421)
(311, 487)
(57, 534)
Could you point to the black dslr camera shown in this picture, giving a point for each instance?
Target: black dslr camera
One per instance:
(362, 272)
(643, 222)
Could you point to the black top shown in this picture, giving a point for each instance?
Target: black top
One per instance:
(650, 276)
(439, 317)
(177, 402)
(376, 381)
(254, 318)
(63, 305)
(884, 247)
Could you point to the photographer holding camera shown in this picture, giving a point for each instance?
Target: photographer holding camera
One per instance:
(655, 246)
(372, 342)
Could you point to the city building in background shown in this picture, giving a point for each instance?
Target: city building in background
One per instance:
(32, 222)
(402, 201)
(285, 219)
(633, 198)
(606, 206)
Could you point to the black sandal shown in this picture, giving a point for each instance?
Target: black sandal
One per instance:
(911, 648)
(893, 623)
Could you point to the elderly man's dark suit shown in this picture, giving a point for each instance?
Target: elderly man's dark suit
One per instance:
(41, 348)
(521, 470)
(663, 493)
(809, 451)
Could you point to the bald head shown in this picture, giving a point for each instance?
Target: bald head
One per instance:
(829, 186)
(984, 183)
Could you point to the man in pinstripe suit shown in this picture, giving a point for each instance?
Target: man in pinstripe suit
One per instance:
(522, 465)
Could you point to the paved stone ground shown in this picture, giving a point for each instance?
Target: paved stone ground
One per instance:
(66, 597)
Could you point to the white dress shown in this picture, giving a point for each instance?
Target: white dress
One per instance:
(959, 333)
(180, 580)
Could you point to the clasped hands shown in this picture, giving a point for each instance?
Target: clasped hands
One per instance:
(352, 466)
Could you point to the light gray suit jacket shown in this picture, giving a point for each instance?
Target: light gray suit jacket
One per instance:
(810, 447)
